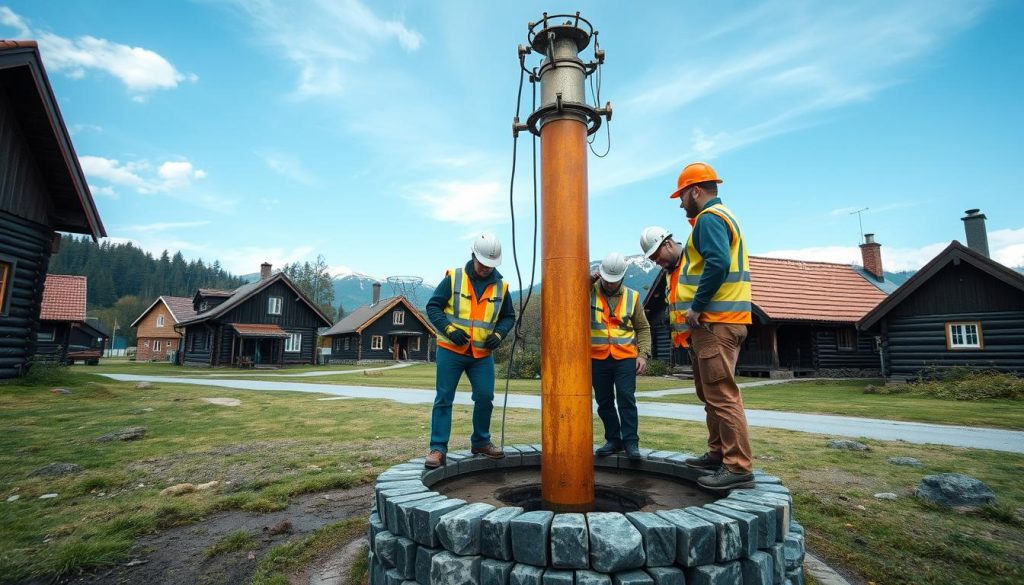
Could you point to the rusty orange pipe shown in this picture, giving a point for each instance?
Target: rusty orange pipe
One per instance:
(567, 470)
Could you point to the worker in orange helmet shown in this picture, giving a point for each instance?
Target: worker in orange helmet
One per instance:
(708, 286)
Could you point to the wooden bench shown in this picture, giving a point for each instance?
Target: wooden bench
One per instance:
(245, 362)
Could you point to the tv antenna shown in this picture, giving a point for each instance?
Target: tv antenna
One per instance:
(861, 223)
(406, 286)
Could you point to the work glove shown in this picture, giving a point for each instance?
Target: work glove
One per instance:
(456, 335)
(493, 341)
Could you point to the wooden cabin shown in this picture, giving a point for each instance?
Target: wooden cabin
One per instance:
(65, 334)
(42, 191)
(384, 330)
(156, 336)
(267, 323)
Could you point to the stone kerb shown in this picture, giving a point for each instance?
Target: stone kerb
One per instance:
(418, 535)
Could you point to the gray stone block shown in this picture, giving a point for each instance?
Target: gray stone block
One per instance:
(531, 459)
(778, 553)
(767, 519)
(393, 577)
(758, 569)
(374, 527)
(795, 527)
(394, 474)
(796, 576)
(496, 533)
(449, 569)
(793, 549)
(530, 537)
(748, 526)
(782, 511)
(615, 544)
(695, 538)
(526, 575)
(478, 463)
(424, 556)
(729, 544)
(524, 449)
(667, 575)
(403, 513)
(433, 476)
(459, 531)
(659, 538)
(765, 478)
(390, 508)
(660, 455)
(494, 572)
(384, 548)
(719, 574)
(586, 577)
(570, 542)
(424, 518)
(688, 473)
(457, 456)
(405, 557)
(633, 577)
(380, 493)
(557, 577)
(376, 570)
(513, 457)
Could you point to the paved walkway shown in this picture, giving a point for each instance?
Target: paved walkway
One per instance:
(692, 390)
(886, 430)
(308, 374)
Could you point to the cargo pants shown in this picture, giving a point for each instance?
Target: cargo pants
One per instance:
(715, 347)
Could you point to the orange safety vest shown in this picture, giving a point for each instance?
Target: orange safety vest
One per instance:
(476, 316)
(730, 303)
(612, 334)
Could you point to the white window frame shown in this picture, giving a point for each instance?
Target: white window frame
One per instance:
(377, 342)
(159, 320)
(415, 345)
(274, 305)
(156, 345)
(398, 318)
(294, 343)
(959, 334)
(345, 343)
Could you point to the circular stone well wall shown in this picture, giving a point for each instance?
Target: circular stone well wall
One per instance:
(418, 533)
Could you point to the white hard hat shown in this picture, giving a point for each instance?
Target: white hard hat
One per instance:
(613, 267)
(487, 249)
(651, 238)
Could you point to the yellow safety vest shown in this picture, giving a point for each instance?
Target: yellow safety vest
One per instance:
(612, 334)
(730, 303)
(476, 316)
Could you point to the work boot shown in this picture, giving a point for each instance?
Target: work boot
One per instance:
(723, 480)
(633, 451)
(705, 461)
(435, 459)
(490, 450)
(609, 448)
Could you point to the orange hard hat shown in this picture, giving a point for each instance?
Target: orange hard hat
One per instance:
(692, 174)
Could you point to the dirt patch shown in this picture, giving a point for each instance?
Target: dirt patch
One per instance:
(830, 479)
(177, 556)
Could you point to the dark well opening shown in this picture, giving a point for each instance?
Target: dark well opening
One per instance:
(615, 490)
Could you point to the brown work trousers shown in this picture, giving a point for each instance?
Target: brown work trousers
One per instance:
(715, 347)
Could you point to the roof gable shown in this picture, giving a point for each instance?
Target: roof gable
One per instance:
(362, 317)
(180, 309)
(64, 298)
(954, 252)
(247, 291)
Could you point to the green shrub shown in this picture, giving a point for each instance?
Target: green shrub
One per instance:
(43, 373)
(656, 368)
(525, 365)
(960, 385)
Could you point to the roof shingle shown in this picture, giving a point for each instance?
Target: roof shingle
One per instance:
(63, 298)
(799, 290)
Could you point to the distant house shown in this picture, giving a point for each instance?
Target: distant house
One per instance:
(42, 191)
(64, 332)
(156, 337)
(389, 329)
(961, 309)
(266, 323)
(805, 317)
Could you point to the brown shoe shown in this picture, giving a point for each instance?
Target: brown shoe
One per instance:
(434, 460)
(490, 450)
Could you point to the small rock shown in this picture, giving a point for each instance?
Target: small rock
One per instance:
(60, 391)
(223, 401)
(208, 485)
(886, 496)
(177, 490)
(955, 490)
(252, 556)
(47, 496)
(143, 385)
(142, 410)
(861, 508)
(847, 445)
(56, 470)
(282, 527)
(135, 562)
(910, 461)
(13, 498)
(128, 434)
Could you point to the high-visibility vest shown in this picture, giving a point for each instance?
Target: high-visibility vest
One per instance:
(476, 316)
(730, 303)
(611, 332)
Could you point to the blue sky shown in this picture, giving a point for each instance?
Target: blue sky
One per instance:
(378, 134)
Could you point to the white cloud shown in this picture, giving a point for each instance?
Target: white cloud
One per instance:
(104, 191)
(1007, 246)
(140, 70)
(288, 166)
(140, 175)
(463, 202)
(248, 259)
(164, 226)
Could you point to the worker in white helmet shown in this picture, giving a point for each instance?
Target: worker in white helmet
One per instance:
(472, 313)
(620, 345)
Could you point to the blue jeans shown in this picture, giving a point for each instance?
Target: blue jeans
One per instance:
(480, 371)
(615, 381)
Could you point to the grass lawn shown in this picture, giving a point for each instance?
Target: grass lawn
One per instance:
(847, 397)
(276, 445)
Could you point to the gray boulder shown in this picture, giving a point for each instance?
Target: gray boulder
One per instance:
(56, 470)
(847, 445)
(955, 490)
(128, 434)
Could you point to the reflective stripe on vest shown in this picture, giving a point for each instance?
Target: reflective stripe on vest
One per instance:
(612, 334)
(476, 317)
(730, 303)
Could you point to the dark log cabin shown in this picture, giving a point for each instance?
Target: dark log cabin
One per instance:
(42, 191)
(65, 334)
(267, 323)
(962, 309)
(384, 330)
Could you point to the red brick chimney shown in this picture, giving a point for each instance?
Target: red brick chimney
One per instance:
(265, 270)
(871, 252)
(376, 293)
